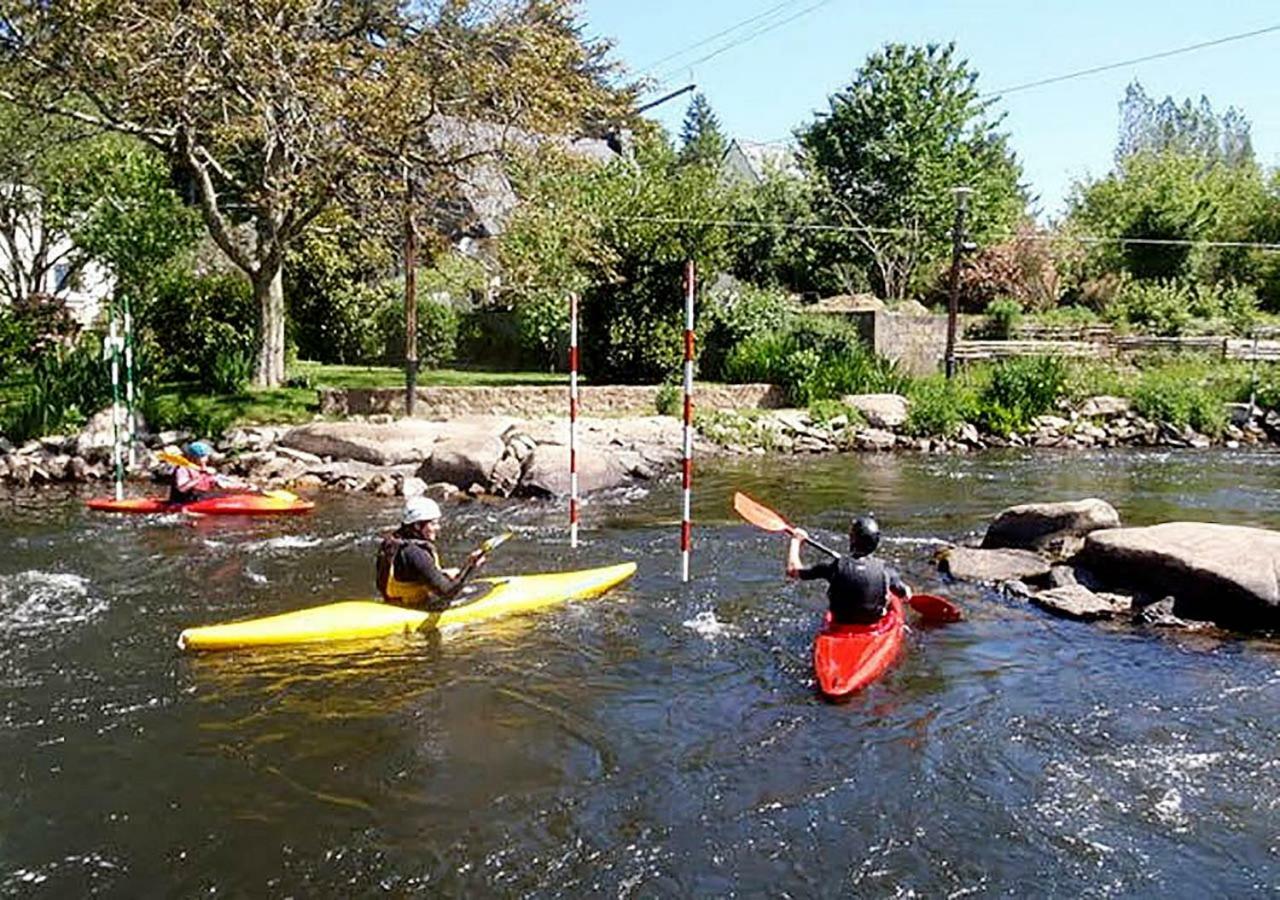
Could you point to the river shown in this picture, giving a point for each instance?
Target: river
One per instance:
(664, 740)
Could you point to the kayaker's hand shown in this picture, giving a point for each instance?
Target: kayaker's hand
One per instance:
(800, 534)
(477, 559)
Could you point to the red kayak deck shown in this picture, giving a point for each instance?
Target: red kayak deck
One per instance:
(847, 658)
(226, 505)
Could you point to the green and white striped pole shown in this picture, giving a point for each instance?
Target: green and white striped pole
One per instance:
(128, 381)
(117, 413)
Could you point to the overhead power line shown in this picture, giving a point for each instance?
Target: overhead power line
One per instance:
(749, 36)
(719, 34)
(1164, 54)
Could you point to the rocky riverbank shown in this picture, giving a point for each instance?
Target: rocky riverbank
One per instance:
(1074, 559)
(511, 456)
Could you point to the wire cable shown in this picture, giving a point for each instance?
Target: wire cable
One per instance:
(1164, 54)
(719, 34)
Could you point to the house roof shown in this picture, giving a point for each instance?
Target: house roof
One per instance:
(754, 160)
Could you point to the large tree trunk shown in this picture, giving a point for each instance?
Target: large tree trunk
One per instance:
(268, 290)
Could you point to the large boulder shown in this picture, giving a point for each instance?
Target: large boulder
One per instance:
(880, 410)
(98, 433)
(1039, 526)
(1075, 601)
(402, 441)
(973, 564)
(467, 456)
(1229, 574)
(546, 472)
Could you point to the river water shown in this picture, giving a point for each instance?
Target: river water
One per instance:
(664, 740)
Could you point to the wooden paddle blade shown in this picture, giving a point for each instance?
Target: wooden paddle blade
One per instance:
(935, 609)
(758, 515)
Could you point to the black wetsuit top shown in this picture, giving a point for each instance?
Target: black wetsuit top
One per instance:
(857, 590)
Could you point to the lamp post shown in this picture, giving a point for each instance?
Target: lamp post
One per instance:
(959, 243)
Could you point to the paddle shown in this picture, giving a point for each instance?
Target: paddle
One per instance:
(177, 459)
(929, 606)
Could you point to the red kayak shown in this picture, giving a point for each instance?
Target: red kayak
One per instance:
(274, 504)
(847, 658)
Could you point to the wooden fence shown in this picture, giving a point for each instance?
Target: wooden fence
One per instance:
(1110, 345)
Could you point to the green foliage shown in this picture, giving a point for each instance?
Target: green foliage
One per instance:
(892, 145)
(669, 399)
(1168, 395)
(815, 358)
(608, 233)
(67, 386)
(1186, 128)
(940, 406)
(183, 412)
(701, 140)
(774, 253)
(1003, 314)
(1068, 316)
(729, 319)
(200, 329)
(437, 329)
(1180, 307)
(15, 342)
(824, 411)
(1020, 389)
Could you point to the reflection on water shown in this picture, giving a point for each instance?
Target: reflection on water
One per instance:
(664, 739)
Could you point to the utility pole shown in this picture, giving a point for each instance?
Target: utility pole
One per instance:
(410, 298)
(959, 244)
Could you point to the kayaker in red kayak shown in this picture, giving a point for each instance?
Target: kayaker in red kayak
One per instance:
(858, 586)
(409, 570)
(197, 480)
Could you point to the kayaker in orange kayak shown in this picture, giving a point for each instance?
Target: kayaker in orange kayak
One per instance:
(858, 586)
(197, 480)
(409, 570)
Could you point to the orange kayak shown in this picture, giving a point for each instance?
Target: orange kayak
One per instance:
(847, 658)
(224, 505)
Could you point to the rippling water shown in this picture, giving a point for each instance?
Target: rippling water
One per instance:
(662, 740)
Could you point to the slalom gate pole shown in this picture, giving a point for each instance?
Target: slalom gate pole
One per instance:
(573, 420)
(686, 521)
(117, 413)
(129, 398)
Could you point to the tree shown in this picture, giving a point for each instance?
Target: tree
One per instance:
(700, 137)
(275, 110)
(909, 128)
(1186, 129)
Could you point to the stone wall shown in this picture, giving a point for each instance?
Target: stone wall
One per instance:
(529, 401)
(916, 342)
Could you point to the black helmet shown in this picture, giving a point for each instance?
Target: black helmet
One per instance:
(864, 535)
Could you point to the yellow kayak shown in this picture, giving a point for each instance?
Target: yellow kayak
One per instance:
(369, 619)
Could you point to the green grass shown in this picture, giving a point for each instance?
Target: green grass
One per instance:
(322, 375)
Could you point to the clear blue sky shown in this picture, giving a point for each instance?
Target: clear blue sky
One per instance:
(766, 86)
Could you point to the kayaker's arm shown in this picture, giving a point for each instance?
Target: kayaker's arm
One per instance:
(897, 585)
(415, 565)
(798, 537)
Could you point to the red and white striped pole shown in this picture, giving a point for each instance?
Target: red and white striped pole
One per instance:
(686, 521)
(573, 420)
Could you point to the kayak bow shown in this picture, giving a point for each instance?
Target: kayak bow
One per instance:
(274, 504)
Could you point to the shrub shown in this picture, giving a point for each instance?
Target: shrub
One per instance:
(732, 318)
(1159, 307)
(823, 411)
(1021, 389)
(1003, 314)
(186, 413)
(339, 326)
(200, 329)
(939, 406)
(1167, 395)
(67, 386)
(668, 402)
(437, 330)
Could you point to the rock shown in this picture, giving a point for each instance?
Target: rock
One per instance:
(99, 432)
(1161, 615)
(412, 486)
(5, 445)
(55, 467)
(301, 456)
(969, 434)
(1228, 574)
(403, 441)
(547, 472)
(443, 491)
(1061, 576)
(506, 475)
(308, 481)
(384, 484)
(1075, 601)
(1036, 526)
(880, 410)
(1239, 414)
(796, 420)
(464, 458)
(21, 468)
(972, 564)
(1050, 423)
(874, 439)
(1104, 406)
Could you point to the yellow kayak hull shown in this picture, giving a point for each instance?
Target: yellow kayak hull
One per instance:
(355, 619)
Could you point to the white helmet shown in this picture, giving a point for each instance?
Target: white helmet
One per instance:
(420, 509)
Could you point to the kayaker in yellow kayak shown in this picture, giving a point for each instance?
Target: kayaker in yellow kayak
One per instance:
(858, 586)
(409, 570)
